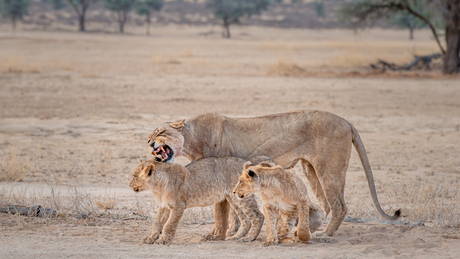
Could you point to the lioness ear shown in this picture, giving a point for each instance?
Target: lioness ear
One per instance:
(177, 124)
(150, 169)
(247, 164)
(266, 164)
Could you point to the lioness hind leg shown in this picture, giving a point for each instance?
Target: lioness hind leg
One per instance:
(315, 185)
(245, 223)
(303, 226)
(219, 231)
(334, 190)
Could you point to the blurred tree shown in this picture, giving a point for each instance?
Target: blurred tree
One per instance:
(146, 7)
(121, 8)
(56, 4)
(319, 8)
(80, 7)
(408, 21)
(14, 9)
(230, 11)
(371, 10)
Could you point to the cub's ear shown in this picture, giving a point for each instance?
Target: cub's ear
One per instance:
(247, 164)
(267, 164)
(251, 173)
(150, 170)
(177, 124)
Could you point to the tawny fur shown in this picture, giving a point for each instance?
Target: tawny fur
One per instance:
(285, 199)
(202, 183)
(321, 141)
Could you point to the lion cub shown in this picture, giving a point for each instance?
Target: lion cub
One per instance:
(284, 195)
(201, 183)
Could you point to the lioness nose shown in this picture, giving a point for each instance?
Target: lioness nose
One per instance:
(152, 144)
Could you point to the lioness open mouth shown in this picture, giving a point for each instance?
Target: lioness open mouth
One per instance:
(163, 153)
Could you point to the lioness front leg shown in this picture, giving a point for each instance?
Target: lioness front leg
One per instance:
(271, 216)
(157, 225)
(170, 227)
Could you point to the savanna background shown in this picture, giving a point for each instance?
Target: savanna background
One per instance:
(76, 107)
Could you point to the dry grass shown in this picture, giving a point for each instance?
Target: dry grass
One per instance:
(13, 168)
(106, 201)
(16, 64)
(285, 68)
(433, 203)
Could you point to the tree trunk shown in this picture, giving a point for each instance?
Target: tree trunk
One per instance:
(451, 59)
(81, 22)
(121, 25)
(226, 29)
(148, 20)
(411, 36)
(13, 22)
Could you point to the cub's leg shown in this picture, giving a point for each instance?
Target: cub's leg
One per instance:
(234, 223)
(245, 223)
(285, 223)
(251, 210)
(271, 217)
(221, 210)
(157, 225)
(170, 227)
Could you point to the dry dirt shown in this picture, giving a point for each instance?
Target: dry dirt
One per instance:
(76, 109)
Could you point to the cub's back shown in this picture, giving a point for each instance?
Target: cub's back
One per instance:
(215, 172)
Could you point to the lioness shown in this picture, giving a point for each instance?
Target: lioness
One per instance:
(321, 141)
(201, 183)
(285, 195)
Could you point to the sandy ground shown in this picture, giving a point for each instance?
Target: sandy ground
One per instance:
(75, 112)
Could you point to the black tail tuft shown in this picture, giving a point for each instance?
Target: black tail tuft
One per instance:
(397, 214)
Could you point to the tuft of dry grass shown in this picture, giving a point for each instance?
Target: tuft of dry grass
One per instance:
(16, 64)
(106, 202)
(13, 168)
(285, 68)
(164, 60)
(433, 203)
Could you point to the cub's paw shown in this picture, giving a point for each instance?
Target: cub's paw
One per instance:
(162, 241)
(246, 239)
(212, 237)
(321, 237)
(231, 238)
(149, 240)
(270, 242)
